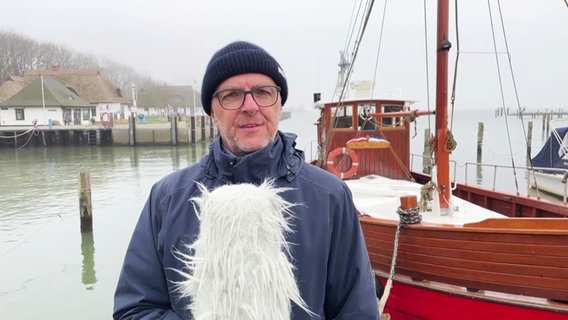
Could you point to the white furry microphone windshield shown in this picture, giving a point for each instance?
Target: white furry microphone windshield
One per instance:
(240, 268)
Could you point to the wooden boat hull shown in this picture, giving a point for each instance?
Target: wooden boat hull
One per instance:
(484, 270)
(502, 268)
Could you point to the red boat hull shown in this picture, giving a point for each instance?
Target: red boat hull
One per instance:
(407, 302)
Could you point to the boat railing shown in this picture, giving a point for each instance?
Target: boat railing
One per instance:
(501, 177)
(311, 150)
(529, 175)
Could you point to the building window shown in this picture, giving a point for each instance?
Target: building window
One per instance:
(20, 114)
(86, 114)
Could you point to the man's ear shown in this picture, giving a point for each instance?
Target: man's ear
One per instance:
(213, 118)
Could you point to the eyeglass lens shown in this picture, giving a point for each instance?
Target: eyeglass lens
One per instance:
(264, 96)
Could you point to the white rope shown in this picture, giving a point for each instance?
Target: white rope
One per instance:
(16, 135)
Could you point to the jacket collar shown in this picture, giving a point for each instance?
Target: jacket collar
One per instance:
(279, 159)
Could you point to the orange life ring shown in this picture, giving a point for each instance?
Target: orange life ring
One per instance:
(332, 167)
(106, 120)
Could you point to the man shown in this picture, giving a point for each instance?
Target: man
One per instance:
(243, 91)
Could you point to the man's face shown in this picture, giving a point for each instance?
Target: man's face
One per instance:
(251, 127)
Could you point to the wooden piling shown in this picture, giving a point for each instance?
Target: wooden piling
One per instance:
(529, 143)
(132, 129)
(203, 135)
(426, 155)
(211, 128)
(479, 141)
(548, 117)
(85, 204)
(173, 129)
(193, 125)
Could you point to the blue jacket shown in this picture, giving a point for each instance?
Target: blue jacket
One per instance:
(333, 268)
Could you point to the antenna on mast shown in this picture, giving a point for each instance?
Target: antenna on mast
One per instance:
(342, 74)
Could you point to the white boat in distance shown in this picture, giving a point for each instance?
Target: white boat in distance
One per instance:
(550, 165)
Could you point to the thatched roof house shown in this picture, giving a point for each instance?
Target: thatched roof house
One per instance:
(46, 101)
(164, 100)
(53, 94)
(89, 84)
(11, 86)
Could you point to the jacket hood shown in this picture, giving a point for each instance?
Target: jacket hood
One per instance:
(280, 159)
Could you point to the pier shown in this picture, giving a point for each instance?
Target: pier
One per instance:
(548, 113)
(184, 133)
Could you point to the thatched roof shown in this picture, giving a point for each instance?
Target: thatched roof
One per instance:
(172, 96)
(54, 94)
(89, 84)
(11, 86)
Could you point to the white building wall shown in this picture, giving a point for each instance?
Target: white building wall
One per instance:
(41, 116)
(108, 107)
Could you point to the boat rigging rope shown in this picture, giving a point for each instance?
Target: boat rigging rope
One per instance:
(451, 144)
(379, 47)
(426, 195)
(455, 80)
(408, 216)
(358, 41)
(501, 86)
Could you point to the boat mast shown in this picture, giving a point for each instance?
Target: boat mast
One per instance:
(442, 154)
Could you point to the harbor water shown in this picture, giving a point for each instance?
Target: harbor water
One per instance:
(50, 270)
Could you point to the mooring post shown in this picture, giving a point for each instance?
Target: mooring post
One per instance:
(173, 129)
(529, 143)
(203, 135)
(132, 129)
(426, 154)
(479, 141)
(85, 204)
(192, 123)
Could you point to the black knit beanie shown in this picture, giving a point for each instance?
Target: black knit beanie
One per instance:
(237, 58)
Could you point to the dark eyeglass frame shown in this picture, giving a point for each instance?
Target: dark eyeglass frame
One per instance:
(245, 92)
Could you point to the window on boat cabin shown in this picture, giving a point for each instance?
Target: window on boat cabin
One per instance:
(392, 121)
(366, 120)
(342, 116)
(20, 115)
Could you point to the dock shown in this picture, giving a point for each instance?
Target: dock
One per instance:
(185, 133)
(189, 131)
(546, 113)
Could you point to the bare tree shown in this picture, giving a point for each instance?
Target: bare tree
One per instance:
(19, 54)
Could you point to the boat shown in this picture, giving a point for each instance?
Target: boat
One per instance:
(550, 165)
(439, 248)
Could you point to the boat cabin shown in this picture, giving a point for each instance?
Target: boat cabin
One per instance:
(362, 137)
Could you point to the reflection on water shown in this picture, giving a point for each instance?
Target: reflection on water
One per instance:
(44, 257)
(89, 277)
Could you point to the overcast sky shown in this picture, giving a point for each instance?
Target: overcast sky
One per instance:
(172, 41)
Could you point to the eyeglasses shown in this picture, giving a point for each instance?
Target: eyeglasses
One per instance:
(233, 99)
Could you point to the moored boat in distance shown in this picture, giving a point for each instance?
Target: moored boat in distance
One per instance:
(443, 250)
(550, 165)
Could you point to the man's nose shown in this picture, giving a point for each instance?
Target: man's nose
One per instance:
(249, 105)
